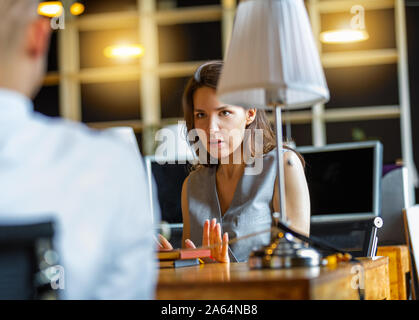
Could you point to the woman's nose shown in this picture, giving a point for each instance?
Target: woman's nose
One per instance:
(213, 124)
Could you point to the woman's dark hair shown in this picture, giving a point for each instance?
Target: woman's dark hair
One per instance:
(207, 75)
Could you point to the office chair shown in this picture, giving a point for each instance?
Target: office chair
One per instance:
(23, 261)
(395, 198)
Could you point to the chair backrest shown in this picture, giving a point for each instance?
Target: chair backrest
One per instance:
(22, 250)
(395, 197)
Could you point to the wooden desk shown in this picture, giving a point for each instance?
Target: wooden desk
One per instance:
(399, 265)
(236, 281)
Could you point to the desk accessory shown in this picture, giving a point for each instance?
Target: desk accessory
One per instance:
(178, 263)
(359, 238)
(272, 62)
(178, 258)
(183, 254)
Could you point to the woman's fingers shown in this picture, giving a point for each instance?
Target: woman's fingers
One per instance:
(165, 245)
(218, 236)
(221, 251)
(159, 246)
(206, 233)
(189, 244)
(213, 223)
(224, 249)
(218, 244)
(212, 238)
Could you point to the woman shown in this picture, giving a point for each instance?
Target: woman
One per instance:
(221, 190)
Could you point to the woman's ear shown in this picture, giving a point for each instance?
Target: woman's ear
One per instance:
(250, 116)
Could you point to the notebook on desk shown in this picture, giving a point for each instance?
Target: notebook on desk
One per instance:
(182, 257)
(178, 263)
(183, 254)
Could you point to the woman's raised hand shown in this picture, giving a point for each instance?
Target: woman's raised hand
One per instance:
(212, 237)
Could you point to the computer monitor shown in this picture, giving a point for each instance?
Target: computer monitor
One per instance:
(168, 180)
(344, 181)
(165, 184)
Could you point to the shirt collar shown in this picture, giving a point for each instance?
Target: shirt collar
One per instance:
(14, 104)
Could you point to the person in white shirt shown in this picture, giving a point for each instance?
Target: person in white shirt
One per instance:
(91, 183)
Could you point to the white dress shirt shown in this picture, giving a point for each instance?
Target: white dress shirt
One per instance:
(95, 187)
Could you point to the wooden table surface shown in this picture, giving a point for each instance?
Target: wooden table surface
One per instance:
(237, 281)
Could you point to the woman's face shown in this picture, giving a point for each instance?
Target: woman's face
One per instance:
(221, 127)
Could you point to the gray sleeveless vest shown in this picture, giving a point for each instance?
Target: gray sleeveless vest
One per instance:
(250, 210)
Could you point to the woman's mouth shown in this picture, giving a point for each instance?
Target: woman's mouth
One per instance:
(216, 143)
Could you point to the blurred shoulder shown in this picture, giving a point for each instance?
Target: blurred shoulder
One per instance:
(78, 143)
(288, 154)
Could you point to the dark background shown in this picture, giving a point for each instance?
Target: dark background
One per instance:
(358, 86)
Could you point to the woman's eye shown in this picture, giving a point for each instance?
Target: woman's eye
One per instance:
(225, 113)
(199, 115)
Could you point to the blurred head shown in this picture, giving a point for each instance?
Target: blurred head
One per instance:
(24, 42)
(222, 127)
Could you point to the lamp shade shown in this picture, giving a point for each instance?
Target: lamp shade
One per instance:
(272, 58)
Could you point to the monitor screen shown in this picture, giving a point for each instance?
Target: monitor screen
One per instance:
(343, 180)
(169, 178)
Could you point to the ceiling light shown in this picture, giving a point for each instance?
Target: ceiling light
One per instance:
(124, 51)
(343, 36)
(50, 8)
(77, 8)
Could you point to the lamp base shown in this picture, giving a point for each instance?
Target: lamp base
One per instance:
(284, 252)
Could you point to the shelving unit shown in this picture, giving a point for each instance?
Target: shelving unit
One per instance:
(147, 18)
(396, 55)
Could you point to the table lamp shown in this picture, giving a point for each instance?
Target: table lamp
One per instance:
(272, 62)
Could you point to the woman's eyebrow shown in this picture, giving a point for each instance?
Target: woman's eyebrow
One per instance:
(219, 108)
